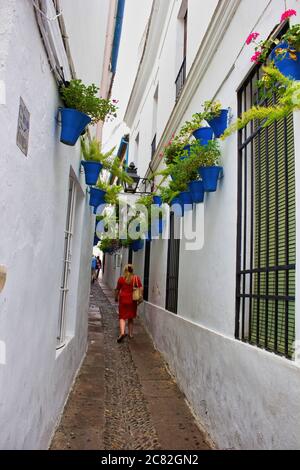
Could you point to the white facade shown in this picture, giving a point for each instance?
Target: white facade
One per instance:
(35, 377)
(245, 397)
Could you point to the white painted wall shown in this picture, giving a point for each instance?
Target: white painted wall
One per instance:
(86, 24)
(35, 380)
(244, 396)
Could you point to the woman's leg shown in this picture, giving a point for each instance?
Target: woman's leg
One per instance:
(130, 327)
(122, 324)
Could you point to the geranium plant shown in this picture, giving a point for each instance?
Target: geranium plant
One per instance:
(264, 47)
(85, 99)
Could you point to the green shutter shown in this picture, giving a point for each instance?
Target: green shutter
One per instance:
(266, 147)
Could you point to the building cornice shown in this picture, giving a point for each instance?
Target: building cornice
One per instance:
(221, 19)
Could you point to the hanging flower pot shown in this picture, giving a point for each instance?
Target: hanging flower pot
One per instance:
(97, 197)
(210, 176)
(186, 200)
(96, 240)
(197, 191)
(137, 245)
(157, 200)
(92, 171)
(287, 60)
(176, 207)
(73, 123)
(204, 135)
(219, 124)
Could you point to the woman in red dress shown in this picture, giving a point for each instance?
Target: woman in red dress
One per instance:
(127, 306)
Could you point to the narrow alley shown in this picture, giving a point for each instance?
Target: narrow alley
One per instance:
(124, 398)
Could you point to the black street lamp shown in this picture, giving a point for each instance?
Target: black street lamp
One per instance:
(133, 185)
(136, 181)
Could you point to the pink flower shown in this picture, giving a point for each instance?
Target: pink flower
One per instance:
(251, 38)
(256, 56)
(287, 14)
(115, 101)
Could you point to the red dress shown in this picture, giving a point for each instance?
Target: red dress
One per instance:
(127, 306)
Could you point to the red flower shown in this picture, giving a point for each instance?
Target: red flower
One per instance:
(251, 38)
(287, 14)
(256, 56)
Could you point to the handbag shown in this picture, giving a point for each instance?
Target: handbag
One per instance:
(137, 291)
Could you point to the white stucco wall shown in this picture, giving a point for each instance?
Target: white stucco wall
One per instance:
(86, 23)
(35, 380)
(245, 397)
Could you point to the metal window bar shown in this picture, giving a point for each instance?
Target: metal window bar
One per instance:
(147, 270)
(153, 147)
(172, 269)
(180, 79)
(130, 256)
(266, 242)
(61, 336)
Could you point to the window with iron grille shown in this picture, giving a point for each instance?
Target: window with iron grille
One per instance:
(61, 335)
(266, 248)
(172, 268)
(147, 270)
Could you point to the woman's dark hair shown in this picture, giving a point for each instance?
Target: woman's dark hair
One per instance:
(130, 269)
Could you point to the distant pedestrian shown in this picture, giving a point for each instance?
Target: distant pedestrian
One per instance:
(99, 265)
(129, 287)
(94, 269)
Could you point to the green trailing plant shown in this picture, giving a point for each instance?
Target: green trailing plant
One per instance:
(112, 194)
(292, 37)
(92, 152)
(288, 101)
(208, 155)
(118, 171)
(85, 99)
(112, 191)
(189, 127)
(212, 109)
(109, 245)
(174, 149)
(168, 194)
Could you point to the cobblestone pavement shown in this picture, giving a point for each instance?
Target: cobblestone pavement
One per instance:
(123, 398)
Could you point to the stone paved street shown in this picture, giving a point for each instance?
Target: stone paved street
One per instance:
(124, 398)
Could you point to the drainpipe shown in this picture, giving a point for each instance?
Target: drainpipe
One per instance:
(117, 36)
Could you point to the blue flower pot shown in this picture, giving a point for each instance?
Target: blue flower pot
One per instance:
(176, 207)
(210, 176)
(96, 240)
(288, 67)
(73, 123)
(92, 171)
(137, 245)
(219, 124)
(197, 191)
(186, 200)
(97, 197)
(204, 135)
(157, 200)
